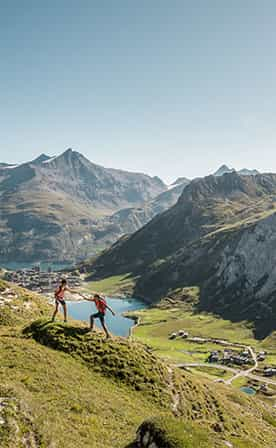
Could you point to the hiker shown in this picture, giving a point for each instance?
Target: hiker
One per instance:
(59, 296)
(101, 306)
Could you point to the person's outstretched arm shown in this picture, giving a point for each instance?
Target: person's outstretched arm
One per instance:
(111, 310)
(73, 291)
(90, 299)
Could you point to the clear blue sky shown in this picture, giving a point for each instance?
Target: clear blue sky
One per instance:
(172, 88)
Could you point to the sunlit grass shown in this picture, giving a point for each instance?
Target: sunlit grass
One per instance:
(117, 284)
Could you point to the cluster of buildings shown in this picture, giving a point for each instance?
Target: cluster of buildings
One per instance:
(181, 334)
(39, 281)
(231, 357)
(269, 371)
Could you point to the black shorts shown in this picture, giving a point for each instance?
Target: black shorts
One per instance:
(99, 315)
(60, 302)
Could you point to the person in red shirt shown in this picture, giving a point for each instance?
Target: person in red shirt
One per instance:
(101, 306)
(59, 296)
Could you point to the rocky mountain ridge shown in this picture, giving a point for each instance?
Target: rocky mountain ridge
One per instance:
(244, 171)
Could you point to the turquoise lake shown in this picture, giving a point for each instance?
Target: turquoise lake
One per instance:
(118, 325)
(248, 390)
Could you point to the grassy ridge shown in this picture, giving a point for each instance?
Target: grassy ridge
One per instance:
(116, 284)
(119, 358)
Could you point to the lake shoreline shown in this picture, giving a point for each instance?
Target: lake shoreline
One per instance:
(122, 324)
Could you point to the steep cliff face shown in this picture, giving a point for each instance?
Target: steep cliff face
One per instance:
(243, 281)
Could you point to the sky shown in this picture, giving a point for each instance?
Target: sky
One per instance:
(170, 88)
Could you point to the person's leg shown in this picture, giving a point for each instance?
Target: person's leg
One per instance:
(55, 312)
(64, 311)
(92, 322)
(105, 327)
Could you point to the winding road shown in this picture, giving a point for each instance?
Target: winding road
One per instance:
(237, 373)
(245, 373)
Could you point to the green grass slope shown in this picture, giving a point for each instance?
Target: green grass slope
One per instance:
(18, 305)
(173, 433)
(227, 412)
(69, 404)
(157, 323)
(116, 285)
(128, 362)
(62, 387)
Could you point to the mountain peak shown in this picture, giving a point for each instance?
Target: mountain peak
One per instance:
(223, 169)
(230, 185)
(247, 172)
(41, 159)
(70, 154)
(68, 151)
(180, 181)
(68, 157)
(243, 172)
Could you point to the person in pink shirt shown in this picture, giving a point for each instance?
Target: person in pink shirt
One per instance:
(59, 296)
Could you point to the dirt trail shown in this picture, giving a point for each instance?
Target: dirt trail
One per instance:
(174, 394)
(245, 373)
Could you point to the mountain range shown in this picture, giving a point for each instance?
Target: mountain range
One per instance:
(220, 236)
(66, 208)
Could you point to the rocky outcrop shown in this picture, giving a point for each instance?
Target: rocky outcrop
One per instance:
(167, 432)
